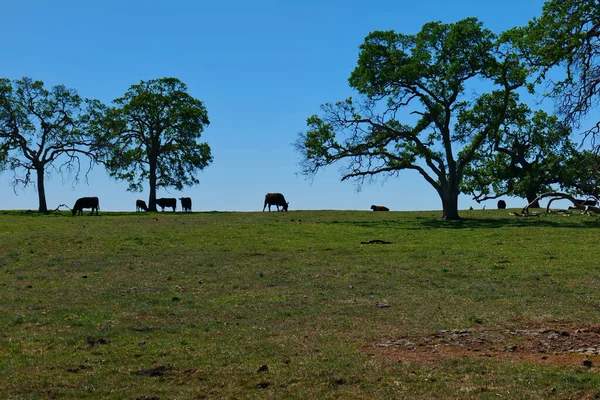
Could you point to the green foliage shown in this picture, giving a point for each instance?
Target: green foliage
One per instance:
(582, 174)
(426, 75)
(88, 305)
(151, 134)
(40, 128)
(567, 35)
(524, 158)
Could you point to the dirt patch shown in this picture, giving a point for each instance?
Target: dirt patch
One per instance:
(544, 345)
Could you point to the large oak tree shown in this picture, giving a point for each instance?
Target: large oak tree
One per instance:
(40, 130)
(431, 75)
(151, 134)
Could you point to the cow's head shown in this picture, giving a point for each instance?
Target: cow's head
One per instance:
(285, 206)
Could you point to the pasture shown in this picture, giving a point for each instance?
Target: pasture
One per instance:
(303, 304)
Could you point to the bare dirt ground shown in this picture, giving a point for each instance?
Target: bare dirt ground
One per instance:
(558, 345)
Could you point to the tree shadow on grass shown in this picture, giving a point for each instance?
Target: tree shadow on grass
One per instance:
(580, 222)
(543, 221)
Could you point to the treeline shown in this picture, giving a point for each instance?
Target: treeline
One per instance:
(486, 142)
(150, 135)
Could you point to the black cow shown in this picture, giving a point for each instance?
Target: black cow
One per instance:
(167, 202)
(275, 199)
(501, 204)
(86, 202)
(379, 208)
(140, 205)
(186, 203)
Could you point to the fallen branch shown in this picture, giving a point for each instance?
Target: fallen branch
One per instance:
(558, 196)
(376, 241)
(535, 214)
(62, 205)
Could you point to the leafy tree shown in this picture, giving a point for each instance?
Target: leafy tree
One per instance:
(525, 158)
(151, 134)
(567, 34)
(432, 75)
(39, 128)
(582, 174)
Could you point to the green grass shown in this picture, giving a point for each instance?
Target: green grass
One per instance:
(86, 303)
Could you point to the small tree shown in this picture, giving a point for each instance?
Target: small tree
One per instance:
(151, 134)
(427, 74)
(526, 157)
(39, 128)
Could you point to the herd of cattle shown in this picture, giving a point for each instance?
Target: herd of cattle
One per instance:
(166, 202)
(271, 199)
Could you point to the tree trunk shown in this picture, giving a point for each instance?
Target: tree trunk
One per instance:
(531, 199)
(450, 203)
(152, 179)
(43, 207)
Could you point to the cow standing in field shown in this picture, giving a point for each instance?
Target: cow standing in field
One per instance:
(167, 202)
(186, 203)
(501, 205)
(379, 208)
(86, 202)
(140, 205)
(275, 199)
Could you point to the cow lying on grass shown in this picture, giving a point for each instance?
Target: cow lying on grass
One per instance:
(275, 199)
(379, 208)
(86, 202)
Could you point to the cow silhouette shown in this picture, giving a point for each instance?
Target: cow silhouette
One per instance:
(86, 202)
(275, 199)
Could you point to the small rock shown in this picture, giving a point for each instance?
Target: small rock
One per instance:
(382, 304)
(152, 372)
(263, 368)
(94, 341)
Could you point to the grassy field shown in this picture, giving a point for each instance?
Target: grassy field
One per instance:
(295, 305)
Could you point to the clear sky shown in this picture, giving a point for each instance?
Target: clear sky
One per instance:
(261, 68)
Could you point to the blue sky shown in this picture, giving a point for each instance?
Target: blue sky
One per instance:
(260, 67)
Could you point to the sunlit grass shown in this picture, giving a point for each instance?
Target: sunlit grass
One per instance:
(87, 304)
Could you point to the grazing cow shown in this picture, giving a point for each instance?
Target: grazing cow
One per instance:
(379, 208)
(140, 205)
(275, 199)
(167, 202)
(186, 203)
(86, 202)
(501, 204)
